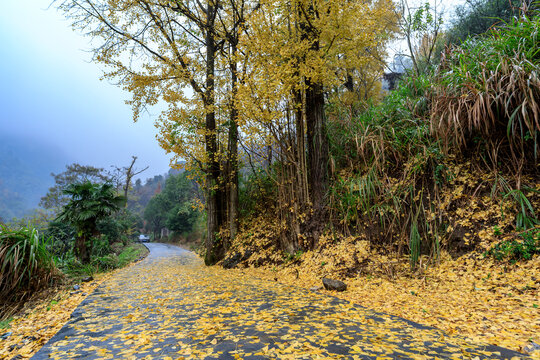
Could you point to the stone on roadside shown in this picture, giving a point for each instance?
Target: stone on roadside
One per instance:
(87, 279)
(76, 287)
(315, 288)
(331, 284)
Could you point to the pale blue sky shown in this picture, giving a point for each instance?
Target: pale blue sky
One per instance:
(49, 90)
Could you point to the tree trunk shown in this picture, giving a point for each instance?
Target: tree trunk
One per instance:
(81, 249)
(303, 191)
(349, 82)
(129, 175)
(317, 143)
(214, 198)
(232, 203)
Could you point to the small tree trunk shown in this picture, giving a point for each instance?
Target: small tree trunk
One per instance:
(233, 156)
(81, 249)
(317, 143)
(214, 198)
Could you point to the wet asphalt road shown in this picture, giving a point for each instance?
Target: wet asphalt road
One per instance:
(170, 306)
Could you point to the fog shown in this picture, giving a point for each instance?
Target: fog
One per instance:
(50, 91)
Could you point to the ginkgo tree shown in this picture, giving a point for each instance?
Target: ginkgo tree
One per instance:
(297, 51)
(167, 51)
(231, 70)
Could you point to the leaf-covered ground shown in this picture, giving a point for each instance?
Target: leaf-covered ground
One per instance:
(171, 306)
(42, 319)
(480, 299)
(488, 301)
(47, 311)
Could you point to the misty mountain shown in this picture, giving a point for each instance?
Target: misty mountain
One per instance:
(25, 173)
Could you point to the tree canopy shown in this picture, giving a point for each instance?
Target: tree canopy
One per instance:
(244, 72)
(75, 173)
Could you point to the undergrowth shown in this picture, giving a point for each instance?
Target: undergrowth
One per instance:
(486, 96)
(26, 264)
(444, 158)
(32, 264)
(408, 168)
(523, 247)
(102, 263)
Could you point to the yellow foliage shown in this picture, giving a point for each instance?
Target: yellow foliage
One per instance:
(42, 321)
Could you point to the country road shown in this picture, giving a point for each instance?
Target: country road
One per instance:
(170, 306)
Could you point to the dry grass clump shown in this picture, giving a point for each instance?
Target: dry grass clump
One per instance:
(486, 95)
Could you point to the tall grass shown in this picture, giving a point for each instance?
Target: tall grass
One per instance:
(526, 217)
(393, 159)
(25, 263)
(385, 135)
(486, 94)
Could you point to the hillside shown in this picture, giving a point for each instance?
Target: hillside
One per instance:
(25, 173)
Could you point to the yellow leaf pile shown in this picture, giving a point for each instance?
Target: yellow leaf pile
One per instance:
(468, 296)
(34, 326)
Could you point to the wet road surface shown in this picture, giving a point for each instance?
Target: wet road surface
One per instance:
(170, 306)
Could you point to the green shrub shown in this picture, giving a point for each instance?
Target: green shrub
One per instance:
(62, 237)
(113, 261)
(109, 227)
(256, 189)
(356, 195)
(25, 263)
(130, 254)
(100, 246)
(383, 135)
(107, 262)
(523, 248)
(104, 258)
(475, 18)
(181, 218)
(73, 268)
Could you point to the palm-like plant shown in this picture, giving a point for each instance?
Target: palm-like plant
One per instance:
(89, 203)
